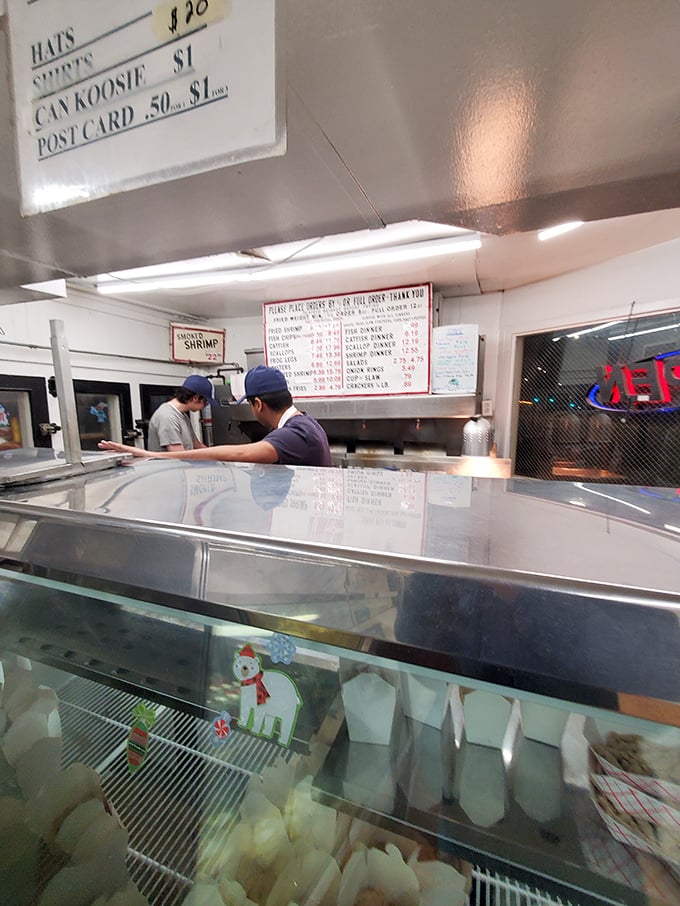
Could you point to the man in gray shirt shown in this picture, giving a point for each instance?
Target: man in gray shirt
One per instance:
(294, 438)
(170, 426)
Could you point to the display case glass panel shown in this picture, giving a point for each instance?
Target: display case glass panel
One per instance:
(280, 674)
(154, 700)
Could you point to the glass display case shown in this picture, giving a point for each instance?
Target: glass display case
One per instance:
(247, 684)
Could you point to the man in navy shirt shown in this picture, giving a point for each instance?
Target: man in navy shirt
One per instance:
(294, 439)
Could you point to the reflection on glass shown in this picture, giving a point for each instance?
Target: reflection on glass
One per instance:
(98, 418)
(15, 420)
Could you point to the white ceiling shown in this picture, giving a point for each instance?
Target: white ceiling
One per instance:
(498, 117)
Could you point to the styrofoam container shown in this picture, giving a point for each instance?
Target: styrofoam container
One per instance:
(486, 716)
(543, 723)
(370, 703)
(480, 784)
(537, 780)
(424, 699)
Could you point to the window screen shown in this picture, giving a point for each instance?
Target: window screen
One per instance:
(602, 403)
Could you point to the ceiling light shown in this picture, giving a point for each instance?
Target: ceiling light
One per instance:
(639, 333)
(391, 235)
(559, 229)
(267, 271)
(438, 248)
(179, 268)
(579, 333)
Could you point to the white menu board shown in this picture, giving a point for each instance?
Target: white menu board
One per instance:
(455, 351)
(113, 96)
(365, 344)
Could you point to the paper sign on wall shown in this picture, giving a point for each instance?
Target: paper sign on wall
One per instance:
(455, 350)
(364, 344)
(114, 96)
(197, 344)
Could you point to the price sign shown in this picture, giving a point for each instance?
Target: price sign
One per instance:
(366, 344)
(113, 96)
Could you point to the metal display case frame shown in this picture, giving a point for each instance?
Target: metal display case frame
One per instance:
(95, 585)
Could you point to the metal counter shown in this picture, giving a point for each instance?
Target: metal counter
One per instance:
(567, 590)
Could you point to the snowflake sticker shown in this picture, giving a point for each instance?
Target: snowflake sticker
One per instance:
(281, 648)
(221, 728)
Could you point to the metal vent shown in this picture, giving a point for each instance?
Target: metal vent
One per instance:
(491, 889)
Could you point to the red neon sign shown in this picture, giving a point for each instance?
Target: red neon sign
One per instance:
(649, 385)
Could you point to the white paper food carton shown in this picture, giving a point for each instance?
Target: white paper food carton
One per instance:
(370, 703)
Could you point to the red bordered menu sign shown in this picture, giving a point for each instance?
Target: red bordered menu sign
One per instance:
(373, 343)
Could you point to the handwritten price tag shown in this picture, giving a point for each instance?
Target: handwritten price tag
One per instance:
(176, 19)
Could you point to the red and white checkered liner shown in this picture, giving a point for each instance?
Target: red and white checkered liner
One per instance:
(652, 786)
(631, 801)
(661, 789)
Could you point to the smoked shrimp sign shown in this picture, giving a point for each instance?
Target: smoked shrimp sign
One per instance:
(114, 96)
(197, 344)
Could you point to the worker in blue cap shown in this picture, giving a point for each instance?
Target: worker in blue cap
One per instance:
(170, 427)
(294, 438)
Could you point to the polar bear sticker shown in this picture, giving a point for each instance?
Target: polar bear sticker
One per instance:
(267, 696)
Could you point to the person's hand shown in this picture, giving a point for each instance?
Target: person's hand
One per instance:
(114, 447)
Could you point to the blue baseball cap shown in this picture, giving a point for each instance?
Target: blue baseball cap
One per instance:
(261, 379)
(201, 386)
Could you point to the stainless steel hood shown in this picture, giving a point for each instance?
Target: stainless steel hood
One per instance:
(499, 117)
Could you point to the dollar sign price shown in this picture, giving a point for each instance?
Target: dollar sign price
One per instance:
(199, 91)
(173, 21)
(182, 57)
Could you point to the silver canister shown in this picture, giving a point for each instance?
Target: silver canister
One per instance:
(477, 436)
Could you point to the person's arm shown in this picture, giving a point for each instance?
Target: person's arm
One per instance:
(260, 451)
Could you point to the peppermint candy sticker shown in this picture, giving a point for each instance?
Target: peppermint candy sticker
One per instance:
(221, 728)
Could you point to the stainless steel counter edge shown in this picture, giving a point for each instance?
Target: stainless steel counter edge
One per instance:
(562, 680)
(347, 555)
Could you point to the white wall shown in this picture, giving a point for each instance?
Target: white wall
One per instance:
(242, 334)
(107, 341)
(132, 343)
(644, 282)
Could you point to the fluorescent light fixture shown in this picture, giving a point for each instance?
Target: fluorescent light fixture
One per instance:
(391, 235)
(437, 248)
(270, 271)
(672, 528)
(179, 268)
(559, 229)
(579, 333)
(639, 333)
